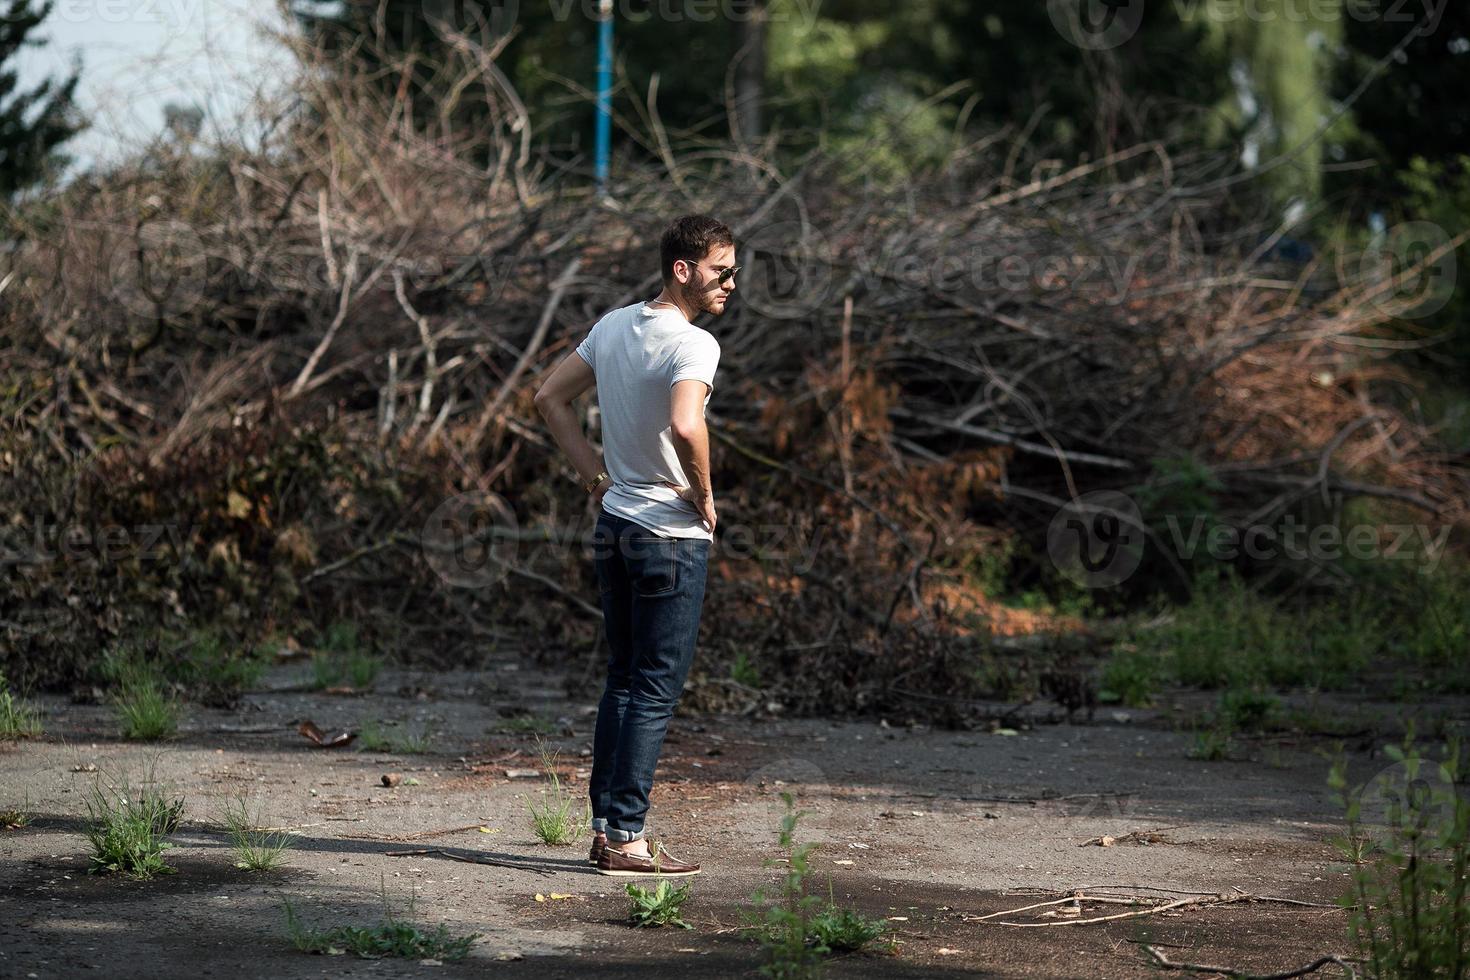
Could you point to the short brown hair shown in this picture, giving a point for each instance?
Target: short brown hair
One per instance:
(691, 238)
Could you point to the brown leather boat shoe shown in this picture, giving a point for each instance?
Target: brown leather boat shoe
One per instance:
(599, 843)
(658, 862)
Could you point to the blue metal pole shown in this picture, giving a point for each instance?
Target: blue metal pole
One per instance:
(604, 88)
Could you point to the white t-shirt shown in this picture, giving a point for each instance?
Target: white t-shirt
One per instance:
(638, 352)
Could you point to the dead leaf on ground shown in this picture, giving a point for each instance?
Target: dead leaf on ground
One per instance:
(322, 739)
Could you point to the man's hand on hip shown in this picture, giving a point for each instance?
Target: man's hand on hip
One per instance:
(704, 503)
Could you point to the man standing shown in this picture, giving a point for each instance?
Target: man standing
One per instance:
(654, 372)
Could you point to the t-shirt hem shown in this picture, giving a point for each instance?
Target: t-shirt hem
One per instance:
(698, 534)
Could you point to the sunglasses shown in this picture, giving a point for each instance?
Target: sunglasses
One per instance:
(724, 275)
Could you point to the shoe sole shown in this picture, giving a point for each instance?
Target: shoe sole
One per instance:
(648, 874)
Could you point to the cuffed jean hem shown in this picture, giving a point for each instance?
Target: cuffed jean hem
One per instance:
(599, 825)
(623, 836)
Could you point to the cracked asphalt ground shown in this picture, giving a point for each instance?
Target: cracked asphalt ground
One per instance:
(930, 830)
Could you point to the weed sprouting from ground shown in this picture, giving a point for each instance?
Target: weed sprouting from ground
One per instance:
(844, 930)
(256, 848)
(14, 818)
(127, 827)
(559, 820)
(343, 662)
(524, 725)
(782, 922)
(1409, 903)
(17, 718)
(390, 738)
(392, 937)
(145, 708)
(659, 906)
(794, 928)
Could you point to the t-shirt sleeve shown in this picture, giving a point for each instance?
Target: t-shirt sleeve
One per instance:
(697, 360)
(587, 346)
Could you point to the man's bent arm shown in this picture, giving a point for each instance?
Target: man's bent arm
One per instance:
(554, 401)
(691, 437)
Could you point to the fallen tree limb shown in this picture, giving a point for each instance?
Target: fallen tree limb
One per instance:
(1161, 960)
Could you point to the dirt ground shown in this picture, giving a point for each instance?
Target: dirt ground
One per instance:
(928, 829)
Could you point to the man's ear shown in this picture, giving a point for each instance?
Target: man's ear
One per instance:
(685, 277)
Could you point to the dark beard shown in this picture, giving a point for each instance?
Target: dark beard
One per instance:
(698, 297)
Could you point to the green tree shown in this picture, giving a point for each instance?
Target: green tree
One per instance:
(33, 124)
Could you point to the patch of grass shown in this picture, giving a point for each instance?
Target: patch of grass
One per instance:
(142, 701)
(1211, 744)
(216, 670)
(1130, 676)
(525, 725)
(1437, 633)
(390, 738)
(843, 930)
(127, 828)
(146, 713)
(559, 820)
(1228, 635)
(1409, 903)
(393, 937)
(14, 818)
(343, 661)
(256, 849)
(659, 906)
(17, 718)
(342, 638)
(1243, 709)
(356, 670)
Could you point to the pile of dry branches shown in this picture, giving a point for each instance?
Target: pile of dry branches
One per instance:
(293, 354)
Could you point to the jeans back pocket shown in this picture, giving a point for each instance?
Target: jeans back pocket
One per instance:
(653, 564)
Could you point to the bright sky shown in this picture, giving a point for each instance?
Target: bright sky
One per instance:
(139, 55)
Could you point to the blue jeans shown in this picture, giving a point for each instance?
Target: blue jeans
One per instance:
(651, 589)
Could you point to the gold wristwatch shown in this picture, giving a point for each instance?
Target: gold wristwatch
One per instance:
(592, 485)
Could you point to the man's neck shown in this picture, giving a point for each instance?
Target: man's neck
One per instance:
(666, 300)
